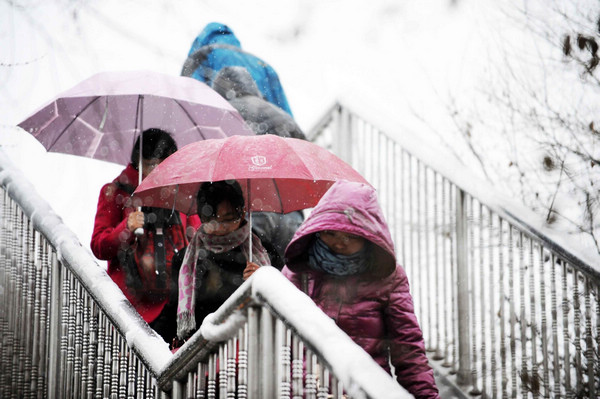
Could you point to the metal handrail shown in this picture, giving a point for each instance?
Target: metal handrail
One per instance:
(68, 331)
(516, 308)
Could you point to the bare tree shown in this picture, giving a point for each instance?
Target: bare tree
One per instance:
(543, 89)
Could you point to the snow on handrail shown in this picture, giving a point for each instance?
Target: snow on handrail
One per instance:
(80, 261)
(267, 287)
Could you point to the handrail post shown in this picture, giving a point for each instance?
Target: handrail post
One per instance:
(343, 136)
(462, 278)
(55, 293)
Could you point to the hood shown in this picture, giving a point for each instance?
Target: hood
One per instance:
(129, 177)
(235, 81)
(214, 33)
(352, 208)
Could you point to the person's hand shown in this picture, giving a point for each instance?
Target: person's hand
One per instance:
(135, 221)
(251, 267)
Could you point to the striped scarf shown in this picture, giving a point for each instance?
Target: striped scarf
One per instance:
(186, 321)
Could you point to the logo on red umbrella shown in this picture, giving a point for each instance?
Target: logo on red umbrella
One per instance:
(258, 162)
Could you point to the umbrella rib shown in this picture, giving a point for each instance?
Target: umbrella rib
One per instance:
(72, 121)
(185, 111)
(278, 194)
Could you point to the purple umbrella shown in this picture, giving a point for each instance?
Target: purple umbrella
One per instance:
(102, 116)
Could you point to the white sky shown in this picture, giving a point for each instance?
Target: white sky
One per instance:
(409, 56)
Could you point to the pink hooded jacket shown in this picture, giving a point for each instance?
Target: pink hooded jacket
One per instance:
(374, 308)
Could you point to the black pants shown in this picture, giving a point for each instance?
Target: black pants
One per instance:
(166, 322)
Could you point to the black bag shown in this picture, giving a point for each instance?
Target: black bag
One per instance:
(148, 272)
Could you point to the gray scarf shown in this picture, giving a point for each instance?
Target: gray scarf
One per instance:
(321, 258)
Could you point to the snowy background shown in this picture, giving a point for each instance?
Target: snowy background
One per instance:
(437, 65)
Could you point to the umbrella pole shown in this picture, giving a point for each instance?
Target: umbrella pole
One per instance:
(139, 231)
(249, 219)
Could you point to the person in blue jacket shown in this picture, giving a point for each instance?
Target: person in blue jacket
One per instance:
(217, 47)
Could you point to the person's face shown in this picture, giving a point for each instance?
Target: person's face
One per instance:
(226, 221)
(342, 243)
(148, 166)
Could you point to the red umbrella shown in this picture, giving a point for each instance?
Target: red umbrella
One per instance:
(277, 174)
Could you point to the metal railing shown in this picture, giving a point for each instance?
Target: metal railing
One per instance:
(67, 331)
(508, 307)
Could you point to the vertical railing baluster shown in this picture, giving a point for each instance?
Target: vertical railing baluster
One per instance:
(577, 331)
(132, 374)
(502, 303)
(419, 257)
(462, 288)
(589, 340)
(311, 378)
(253, 360)
(243, 363)
(403, 201)
(482, 299)
(438, 272)
(99, 391)
(86, 357)
(201, 391)
(411, 265)
(64, 332)
(115, 356)
(72, 316)
(231, 367)
(453, 246)
(212, 377)
(324, 388)
(18, 266)
(108, 343)
(535, 377)
(566, 324)
(78, 342)
(267, 350)
(55, 323)
(4, 294)
(525, 373)
(222, 371)
(447, 278)
(513, 314)
(122, 366)
(42, 309)
(285, 362)
(555, 336)
(428, 273)
(544, 329)
(492, 306)
(297, 368)
(596, 369)
(472, 289)
(28, 332)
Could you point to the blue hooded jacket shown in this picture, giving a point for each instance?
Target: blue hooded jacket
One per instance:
(217, 47)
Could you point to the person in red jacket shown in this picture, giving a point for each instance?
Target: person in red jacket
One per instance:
(144, 274)
(343, 258)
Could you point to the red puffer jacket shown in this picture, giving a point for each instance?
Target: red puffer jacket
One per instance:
(374, 308)
(110, 236)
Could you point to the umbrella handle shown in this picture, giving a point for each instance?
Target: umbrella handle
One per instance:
(139, 231)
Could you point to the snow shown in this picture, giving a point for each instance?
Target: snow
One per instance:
(70, 251)
(410, 56)
(348, 361)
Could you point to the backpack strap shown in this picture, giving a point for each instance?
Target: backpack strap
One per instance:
(160, 258)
